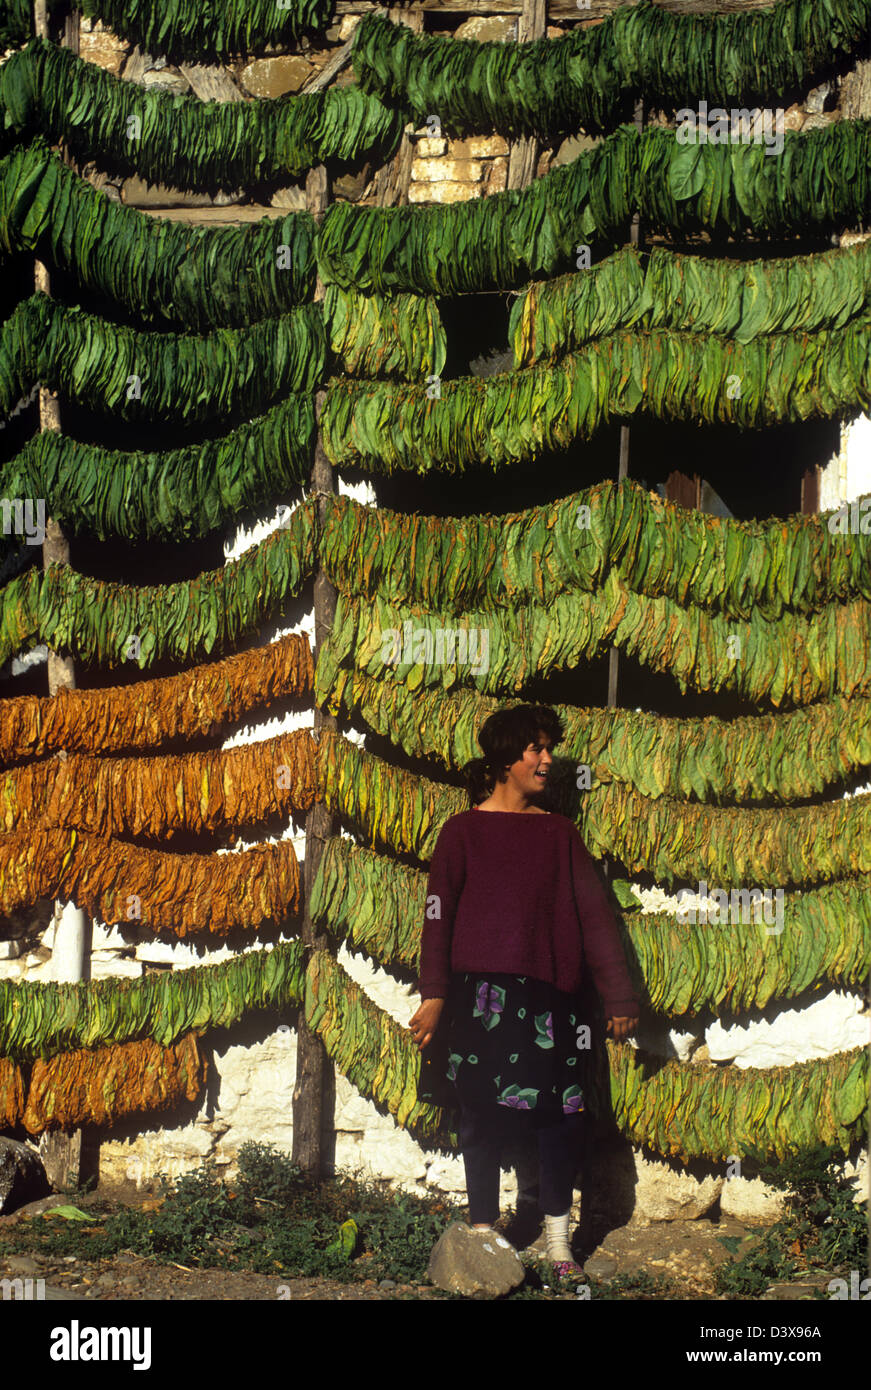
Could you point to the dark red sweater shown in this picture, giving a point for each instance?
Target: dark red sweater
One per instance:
(517, 893)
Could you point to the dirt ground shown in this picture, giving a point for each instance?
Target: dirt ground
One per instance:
(682, 1252)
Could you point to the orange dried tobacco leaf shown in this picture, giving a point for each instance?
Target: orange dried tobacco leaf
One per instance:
(119, 882)
(148, 713)
(158, 796)
(11, 1093)
(96, 1086)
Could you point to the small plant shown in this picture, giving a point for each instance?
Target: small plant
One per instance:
(271, 1219)
(822, 1228)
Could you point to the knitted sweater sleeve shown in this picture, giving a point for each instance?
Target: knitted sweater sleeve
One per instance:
(603, 948)
(447, 874)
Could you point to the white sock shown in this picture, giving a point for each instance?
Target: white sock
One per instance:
(556, 1230)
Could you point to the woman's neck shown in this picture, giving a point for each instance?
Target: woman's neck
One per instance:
(517, 803)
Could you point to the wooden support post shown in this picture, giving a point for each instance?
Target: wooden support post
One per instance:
(311, 1058)
(390, 184)
(623, 467)
(61, 1152)
(523, 153)
(623, 462)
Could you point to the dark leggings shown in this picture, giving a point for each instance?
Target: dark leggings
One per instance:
(482, 1135)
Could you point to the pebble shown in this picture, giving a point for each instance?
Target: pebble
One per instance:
(387, 1284)
(21, 1264)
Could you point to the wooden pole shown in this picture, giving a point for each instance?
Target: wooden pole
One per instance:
(523, 152)
(390, 184)
(312, 1062)
(623, 472)
(623, 462)
(61, 1152)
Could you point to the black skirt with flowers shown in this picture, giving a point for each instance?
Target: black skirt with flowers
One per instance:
(510, 1041)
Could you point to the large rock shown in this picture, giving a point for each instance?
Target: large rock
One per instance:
(488, 28)
(474, 1263)
(272, 77)
(22, 1176)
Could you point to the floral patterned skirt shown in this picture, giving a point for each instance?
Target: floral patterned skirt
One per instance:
(508, 1040)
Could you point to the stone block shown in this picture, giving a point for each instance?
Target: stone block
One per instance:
(794, 118)
(493, 28)
(663, 1193)
(496, 176)
(474, 1263)
(443, 192)
(272, 77)
(347, 26)
(446, 170)
(167, 80)
(351, 187)
(751, 1199)
(573, 146)
(479, 147)
(821, 120)
(815, 101)
(11, 950)
(100, 46)
(428, 146)
(102, 969)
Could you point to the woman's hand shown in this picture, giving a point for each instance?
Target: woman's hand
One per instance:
(620, 1028)
(424, 1023)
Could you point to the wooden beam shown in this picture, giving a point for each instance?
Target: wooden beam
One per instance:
(331, 69)
(558, 9)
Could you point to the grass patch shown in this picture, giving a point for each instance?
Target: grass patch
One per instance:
(271, 1219)
(823, 1229)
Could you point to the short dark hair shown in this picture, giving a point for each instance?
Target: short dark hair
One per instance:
(504, 736)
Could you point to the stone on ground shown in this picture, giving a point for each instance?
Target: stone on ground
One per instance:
(472, 1262)
(22, 1176)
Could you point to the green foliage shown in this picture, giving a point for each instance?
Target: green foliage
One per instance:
(211, 28)
(739, 568)
(155, 376)
(585, 78)
(41, 1019)
(751, 757)
(513, 417)
(796, 660)
(823, 1227)
(194, 277)
(820, 180)
(182, 140)
(699, 294)
(385, 335)
(186, 620)
(180, 494)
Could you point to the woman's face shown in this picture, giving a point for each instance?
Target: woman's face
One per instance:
(530, 773)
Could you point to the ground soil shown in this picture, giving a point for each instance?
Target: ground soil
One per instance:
(685, 1253)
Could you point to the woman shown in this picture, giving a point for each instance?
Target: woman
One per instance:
(516, 918)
